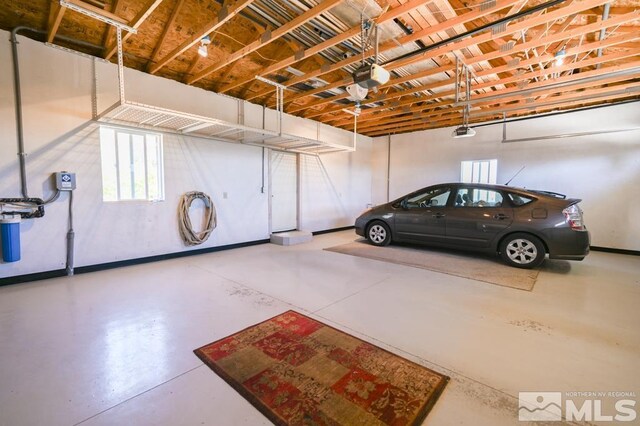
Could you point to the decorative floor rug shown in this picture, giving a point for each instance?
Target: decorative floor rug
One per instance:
(473, 266)
(299, 371)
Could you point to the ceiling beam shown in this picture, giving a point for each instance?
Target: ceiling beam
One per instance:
(56, 12)
(111, 30)
(484, 37)
(514, 79)
(512, 95)
(144, 13)
(267, 38)
(224, 15)
(165, 31)
(98, 11)
(343, 36)
(396, 115)
(613, 93)
(393, 44)
(527, 45)
(525, 77)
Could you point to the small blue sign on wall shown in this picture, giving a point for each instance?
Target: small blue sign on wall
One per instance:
(65, 181)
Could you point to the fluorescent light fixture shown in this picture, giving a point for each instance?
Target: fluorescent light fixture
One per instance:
(560, 55)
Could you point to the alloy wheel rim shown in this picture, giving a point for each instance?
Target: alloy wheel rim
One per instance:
(377, 233)
(522, 251)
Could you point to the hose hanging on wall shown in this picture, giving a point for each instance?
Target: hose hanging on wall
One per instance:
(190, 237)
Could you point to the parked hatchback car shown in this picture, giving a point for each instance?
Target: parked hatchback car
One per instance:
(521, 225)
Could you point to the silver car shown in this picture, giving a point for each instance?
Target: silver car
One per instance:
(520, 225)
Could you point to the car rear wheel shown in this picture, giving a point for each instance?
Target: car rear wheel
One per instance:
(378, 233)
(522, 251)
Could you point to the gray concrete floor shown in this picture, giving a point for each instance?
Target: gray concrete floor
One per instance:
(115, 347)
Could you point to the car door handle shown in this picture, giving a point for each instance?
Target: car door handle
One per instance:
(438, 215)
(500, 216)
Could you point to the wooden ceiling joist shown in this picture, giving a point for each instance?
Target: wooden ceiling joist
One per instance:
(526, 78)
(509, 97)
(139, 19)
(343, 36)
(392, 44)
(56, 12)
(165, 31)
(558, 102)
(543, 56)
(224, 15)
(366, 113)
(528, 45)
(98, 11)
(267, 38)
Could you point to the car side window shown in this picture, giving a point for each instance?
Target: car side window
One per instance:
(519, 200)
(475, 197)
(433, 198)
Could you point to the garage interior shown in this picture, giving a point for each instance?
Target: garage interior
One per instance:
(284, 120)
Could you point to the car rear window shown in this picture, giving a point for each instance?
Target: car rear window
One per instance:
(519, 200)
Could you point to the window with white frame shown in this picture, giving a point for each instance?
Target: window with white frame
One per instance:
(132, 165)
(480, 171)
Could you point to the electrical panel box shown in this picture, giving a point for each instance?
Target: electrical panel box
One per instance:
(65, 181)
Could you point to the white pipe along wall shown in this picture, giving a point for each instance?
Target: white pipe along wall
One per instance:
(601, 169)
(57, 89)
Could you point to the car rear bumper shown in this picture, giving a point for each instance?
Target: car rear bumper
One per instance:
(569, 244)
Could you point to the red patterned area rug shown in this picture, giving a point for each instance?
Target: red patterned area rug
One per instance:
(299, 371)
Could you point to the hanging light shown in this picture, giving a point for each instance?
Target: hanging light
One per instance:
(204, 43)
(560, 55)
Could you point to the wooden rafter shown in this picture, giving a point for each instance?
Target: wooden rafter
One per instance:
(267, 38)
(568, 99)
(111, 30)
(56, 12)
(530, 44)
(426, 105)
(515, 68)
(410, 38)
(484, 37)
(98, 11)
(516, 95)
(165, 31)
(346, 35)
(224, 15)
(144, 13)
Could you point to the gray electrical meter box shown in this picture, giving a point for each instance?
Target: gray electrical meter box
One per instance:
(65, 181)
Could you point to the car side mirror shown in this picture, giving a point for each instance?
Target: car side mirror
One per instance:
(404, 204)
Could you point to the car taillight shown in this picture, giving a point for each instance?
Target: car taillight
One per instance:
(573, 213)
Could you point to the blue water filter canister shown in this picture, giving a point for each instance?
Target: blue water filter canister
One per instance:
(10, 234)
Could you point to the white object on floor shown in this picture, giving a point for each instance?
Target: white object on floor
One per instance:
(291, 238)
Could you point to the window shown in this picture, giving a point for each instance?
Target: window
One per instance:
(482, 171)
(474, 197)
(519, 200)
(132, 166)
(432, 198)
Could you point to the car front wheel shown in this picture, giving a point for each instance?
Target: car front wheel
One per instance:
(379, 234)
(522, 251)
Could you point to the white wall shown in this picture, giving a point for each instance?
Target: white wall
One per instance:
(603, 170)
(59, 135)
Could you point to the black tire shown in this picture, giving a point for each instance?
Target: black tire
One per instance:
(378, 233)
(522, 250)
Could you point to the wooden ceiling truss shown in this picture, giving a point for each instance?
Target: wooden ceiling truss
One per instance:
(523, 57)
